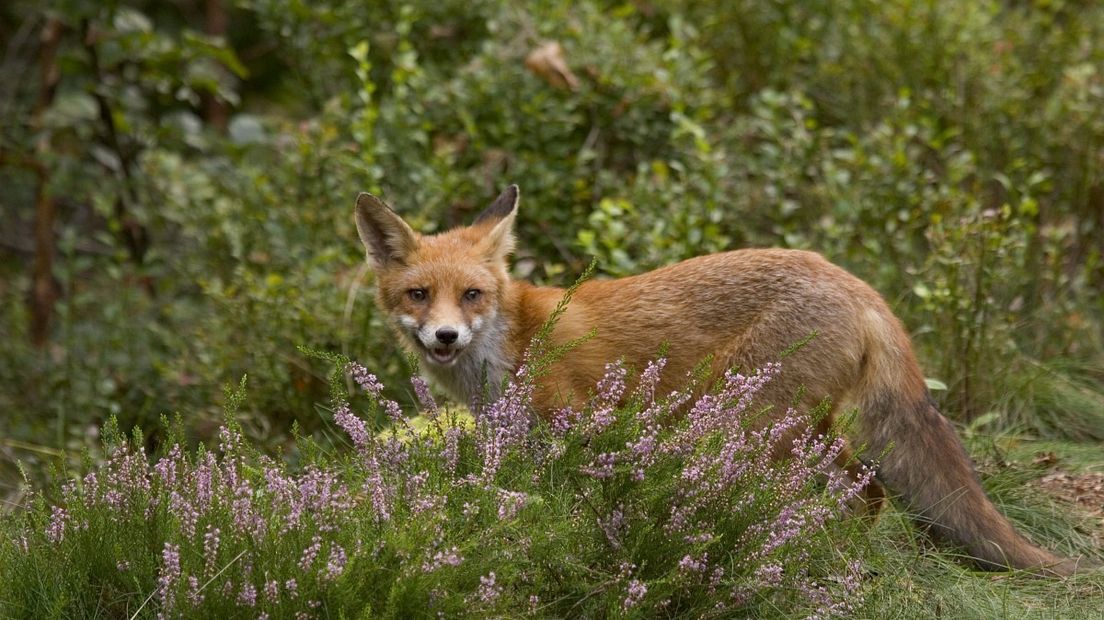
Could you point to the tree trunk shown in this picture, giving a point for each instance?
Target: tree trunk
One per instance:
(215, 111)
(44, 289)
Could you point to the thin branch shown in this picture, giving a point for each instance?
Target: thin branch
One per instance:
(134, 234)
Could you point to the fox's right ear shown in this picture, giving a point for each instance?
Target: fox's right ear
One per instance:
(498, 221)
(388, 239)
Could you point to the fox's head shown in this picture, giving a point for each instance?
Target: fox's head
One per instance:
(443, 291)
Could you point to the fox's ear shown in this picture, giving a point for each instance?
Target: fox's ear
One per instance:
(499, 217)
(388, 239)
(503, 206)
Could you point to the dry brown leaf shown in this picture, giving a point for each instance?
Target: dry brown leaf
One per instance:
(1085, 489)
(548, 63)
(1045, 458)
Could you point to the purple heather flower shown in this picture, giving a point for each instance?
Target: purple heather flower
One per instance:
(505, 424)
(246, 518)
(469, 510)
(204, 479)
(451, 450)
(55, 532)
(292, 588)
(366, 380)
(488, 591)
(354, 426)
(643, 450)
(448, 557)
(425, 398)
(127, 481)
(420, 501)
(394, 412)
(310, 553)
(248, 595)
(319, 493)
(377, 490)
(634, 594)
(722, 412)
(272, 590)
(230, 441)
(649, 380)
(91, 484)
(210, 549)
(336, 564)
(510, 503)
(170, 572)
(612, 385)
(166, 467)
(769, 574)
(563, 420)
(698, 538)
(601, 467)
(789, 524)
(393, 452)
(844, 488)
(195, 593)
(690, 564)
(612, 526)
(183, 510)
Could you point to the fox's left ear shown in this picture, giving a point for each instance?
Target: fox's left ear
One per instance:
(499, 218)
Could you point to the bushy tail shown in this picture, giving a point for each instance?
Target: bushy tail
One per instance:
(926, 464)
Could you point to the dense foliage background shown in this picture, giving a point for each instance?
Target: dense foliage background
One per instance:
(178, 178)
(190, 168)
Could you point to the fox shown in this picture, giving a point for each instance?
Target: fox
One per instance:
(451, 300)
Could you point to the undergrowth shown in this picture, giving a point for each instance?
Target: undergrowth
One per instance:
(612, 510)
(609, 510)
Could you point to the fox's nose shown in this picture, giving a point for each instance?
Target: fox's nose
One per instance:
(447, 335)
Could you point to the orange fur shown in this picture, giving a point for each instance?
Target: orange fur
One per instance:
(743, 308)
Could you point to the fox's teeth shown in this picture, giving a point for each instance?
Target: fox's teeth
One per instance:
(443, 355)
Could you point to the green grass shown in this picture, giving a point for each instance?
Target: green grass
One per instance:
(909, 578)
(1072, 456)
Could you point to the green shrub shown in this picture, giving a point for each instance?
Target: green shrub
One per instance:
(946, 152)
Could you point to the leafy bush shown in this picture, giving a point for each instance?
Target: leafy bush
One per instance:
(946, 152)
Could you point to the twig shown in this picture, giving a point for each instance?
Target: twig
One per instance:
(20, 445)
(213, 577)
(134, 234)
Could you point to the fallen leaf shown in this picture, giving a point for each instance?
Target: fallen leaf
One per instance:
(1044, 458)
(547, 62)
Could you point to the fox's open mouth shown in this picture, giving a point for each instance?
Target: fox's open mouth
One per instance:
(442, 355)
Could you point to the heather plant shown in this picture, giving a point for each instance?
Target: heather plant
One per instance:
(635, 504)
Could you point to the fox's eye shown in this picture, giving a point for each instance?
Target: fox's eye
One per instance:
(417, 294)
(472, 294)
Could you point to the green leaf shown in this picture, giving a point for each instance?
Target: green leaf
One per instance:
(935, 385)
